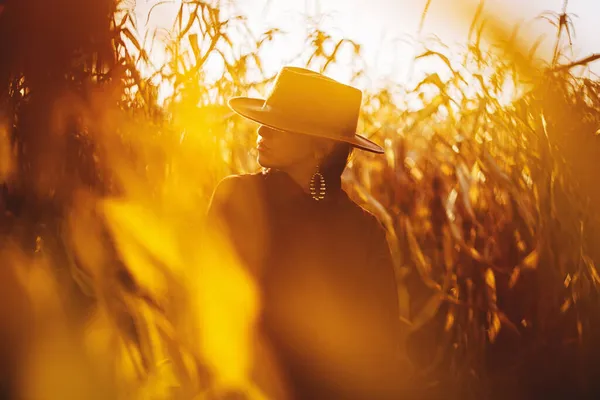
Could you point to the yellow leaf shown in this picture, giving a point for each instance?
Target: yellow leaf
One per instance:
(514, 277)
(592, 270)
(565, 306)
(143, 242)
(532, 259)
(421, 263)
(504, 320)
(430, 308)
(494, 329)
(490, 280)
(449, 321)
(6, 154)
(403, 301)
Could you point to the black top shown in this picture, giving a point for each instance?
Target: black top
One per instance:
(329, 305)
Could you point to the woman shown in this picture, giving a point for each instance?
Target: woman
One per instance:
(322, 262)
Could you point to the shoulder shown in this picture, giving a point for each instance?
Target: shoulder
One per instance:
(367, 220)
(233, 186)
(236, 196)
(238, 182)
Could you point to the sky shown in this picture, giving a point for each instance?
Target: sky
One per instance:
(381, 25)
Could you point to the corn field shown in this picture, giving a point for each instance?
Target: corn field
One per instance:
(111, 289)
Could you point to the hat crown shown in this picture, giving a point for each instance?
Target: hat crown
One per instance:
(306, 102)
(304, 95)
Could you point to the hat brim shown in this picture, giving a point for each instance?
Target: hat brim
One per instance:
(256, 110)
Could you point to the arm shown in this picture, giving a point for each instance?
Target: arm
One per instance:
(383, 300)
(236, 218)
(221, 204)
(368, 339)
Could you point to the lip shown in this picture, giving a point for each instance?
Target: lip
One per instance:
(261, 146)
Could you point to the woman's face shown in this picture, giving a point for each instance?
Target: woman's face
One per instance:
(283, 150)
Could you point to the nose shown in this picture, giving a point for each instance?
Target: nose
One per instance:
(265, 131)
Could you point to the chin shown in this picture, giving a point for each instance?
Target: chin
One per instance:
(265, 162)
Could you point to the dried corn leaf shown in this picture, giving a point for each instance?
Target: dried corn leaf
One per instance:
(592, 270)
(490, 281)
(565, 306)
(445, 59)
(505, 321)
(431, 307)
(449, 320)
(514, 277)
(494, 326)
(532, 259)
(567, 280)
(464, 182)
(427, 312)
(448, 248)
(421, 263)
(403, 301)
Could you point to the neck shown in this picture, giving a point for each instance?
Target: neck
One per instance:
(301, 175)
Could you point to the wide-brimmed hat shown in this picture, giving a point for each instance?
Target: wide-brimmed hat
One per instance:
(306, 102)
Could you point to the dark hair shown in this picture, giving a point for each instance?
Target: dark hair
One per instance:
(334, 163)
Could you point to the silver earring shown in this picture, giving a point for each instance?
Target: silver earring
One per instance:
(318, 191)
